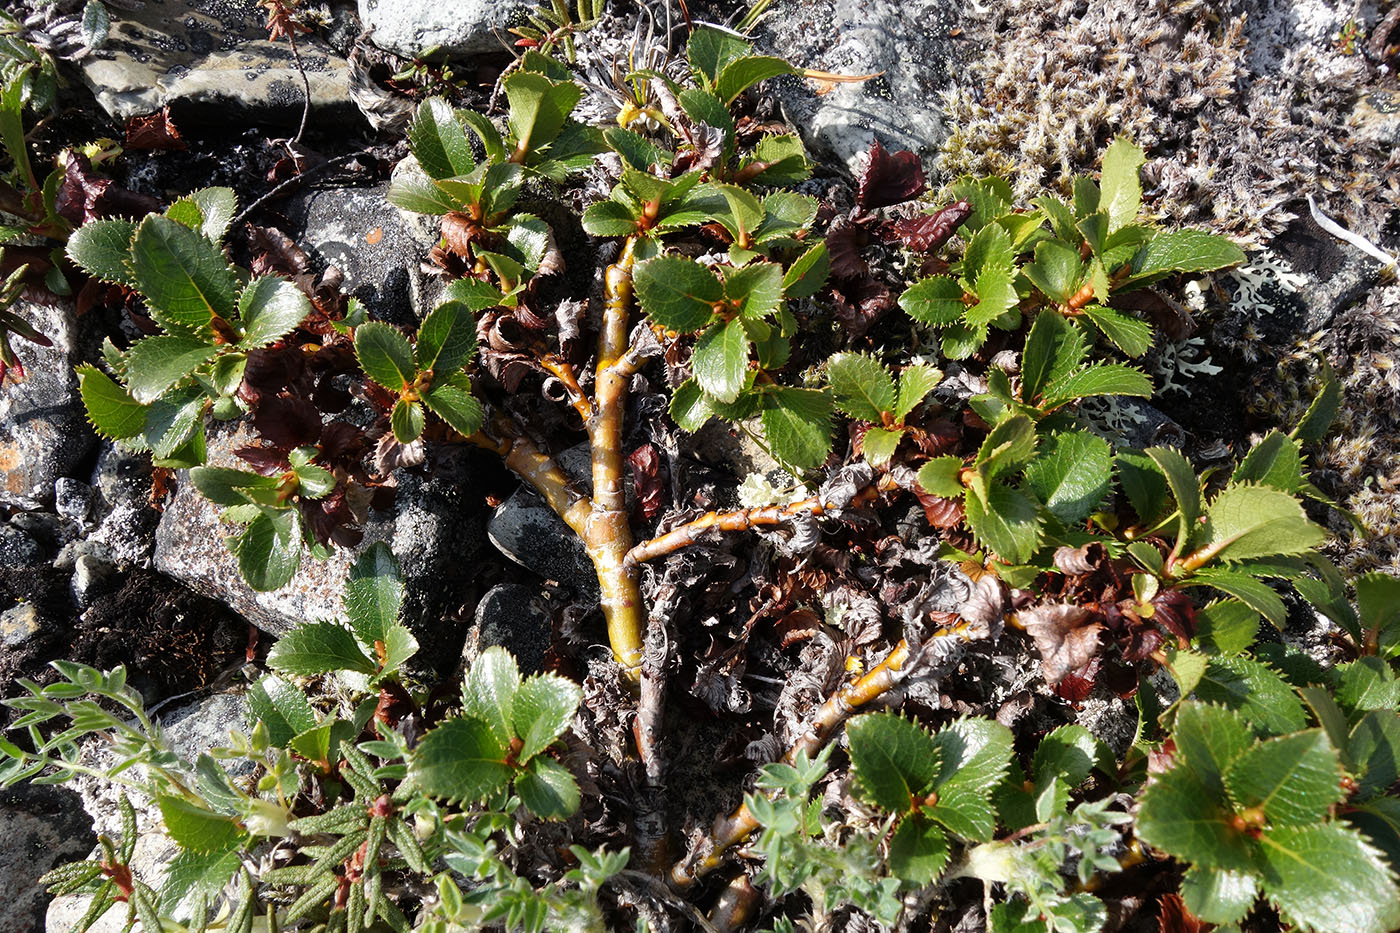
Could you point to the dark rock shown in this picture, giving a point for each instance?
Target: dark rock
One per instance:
(44, 527)
(409, 27)
(72, 499)
(434, 526)
(516, 618)
(377, 247)
(126, 520)
(208, 58)
(527, 531)
(1338, 275)
(17, 549)
(43, 431)
(19, 624)
(43, 826)
(910, 44)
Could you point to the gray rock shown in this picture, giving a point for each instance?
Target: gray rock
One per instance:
(516, 618)
(909, 42)
(208, 57)
(408, 27)
(1377, 117)
(435, 527)
(126, 520)
(19, 624)
(375, 245)
(527, 531)
(43, 826)
(43, 431)
(92, 579)
(196, 727)
(44, 527)
(72, 499)
(18, 550)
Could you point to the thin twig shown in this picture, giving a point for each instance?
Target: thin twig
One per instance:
(733, 829)
(305, 84)
(742, 520)
(563, 370)
(295, 180)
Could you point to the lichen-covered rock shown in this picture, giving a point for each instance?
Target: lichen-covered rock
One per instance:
(378, 248)
(43, 431)
(126, 519)
(210, 56)
(19, 624)
(912, 48)
(41, 827)
(434, 526)
(411, 27)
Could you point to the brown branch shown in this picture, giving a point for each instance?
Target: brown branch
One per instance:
(608, 534)
(540, 470)
(563, 370)
(742, 520)
(733, 829)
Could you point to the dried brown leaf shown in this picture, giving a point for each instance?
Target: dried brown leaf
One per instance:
(1063, 634)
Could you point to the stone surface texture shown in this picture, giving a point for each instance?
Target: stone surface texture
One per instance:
(43, 432)
(517, 618)
(433, 528)
(209, 55)
(410, 27)
(909, 45)
(377, 247)
(43, 827)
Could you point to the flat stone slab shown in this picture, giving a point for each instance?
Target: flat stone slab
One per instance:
(213, 56)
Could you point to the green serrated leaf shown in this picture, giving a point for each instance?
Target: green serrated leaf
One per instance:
(1326, 877)
(940, 476)
(1256, 691)
(385, 355)
(1185, 251)
(196, 828)
(1007, 447)
(110, 408)
(209, 210)
(439, 141)
(1220, 897)
(878, 445)
(407, 421)
(894, 761)
(318, 648)
(797, 426)
(1121, 191)
(374, 593)
(915, 383)
(1367, 683)
(446, 339)
(1294, 779)
(1322, 411)
(936, 300)
(1069, 752)
(157, 364)
(489, 690)
(1008, 522)
(677, 293)
(452, 401)
(609, 218)
(1275, 461)
(461, 759)
(1246, 521)
(1054, 348)
(1129, 334)
(757, 288)
(411, 189)
(862, 388)
(918, 851)
(281, 707)
(974, 756)
(1071, 474)
(710, 51)
(1248, 589)
(1056, 270)
(184, 278)
(1208, 739)
(548, 790)
(1097, 379)
(1186, 489)
(808, 272)
(269, 308)
(102, 249)
(539, 108)
(1226, 626)
(721, 360)
(544, 706)
(269, 549)
(1179, 815)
